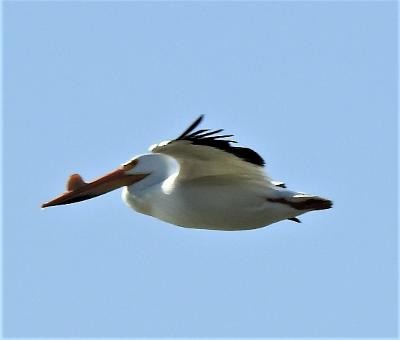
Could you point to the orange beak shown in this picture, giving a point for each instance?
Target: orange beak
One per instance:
(78, 190)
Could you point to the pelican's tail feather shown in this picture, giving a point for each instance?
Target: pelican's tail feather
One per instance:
(304, 202)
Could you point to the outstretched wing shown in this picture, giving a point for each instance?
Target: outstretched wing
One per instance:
(202, 153)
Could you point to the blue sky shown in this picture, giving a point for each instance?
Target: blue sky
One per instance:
(310, 85)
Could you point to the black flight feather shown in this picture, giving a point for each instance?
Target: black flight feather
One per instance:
(191, 127)
(211, 138)
(201, 132)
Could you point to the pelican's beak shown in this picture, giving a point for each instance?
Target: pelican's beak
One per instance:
(78, 190)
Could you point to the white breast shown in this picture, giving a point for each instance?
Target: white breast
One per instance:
(208, 203)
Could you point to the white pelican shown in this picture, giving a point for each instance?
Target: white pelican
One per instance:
(199, 180)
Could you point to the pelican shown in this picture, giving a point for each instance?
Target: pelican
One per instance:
(199, 180)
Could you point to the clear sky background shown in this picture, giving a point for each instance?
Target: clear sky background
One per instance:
(310, 85)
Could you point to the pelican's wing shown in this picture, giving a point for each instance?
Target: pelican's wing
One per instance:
(204, 153)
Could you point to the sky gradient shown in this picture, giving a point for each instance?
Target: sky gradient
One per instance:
(311, 86)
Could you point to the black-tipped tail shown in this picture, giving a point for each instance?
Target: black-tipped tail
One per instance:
(313, 203)
(304, 203)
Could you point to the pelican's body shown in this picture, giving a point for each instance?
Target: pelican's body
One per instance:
(223, 202)
(200, 181)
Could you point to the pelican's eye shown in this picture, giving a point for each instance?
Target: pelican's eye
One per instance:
(129, 165)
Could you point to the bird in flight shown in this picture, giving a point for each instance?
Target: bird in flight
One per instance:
(199, 180)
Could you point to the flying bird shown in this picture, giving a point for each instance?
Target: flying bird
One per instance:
(199, 180)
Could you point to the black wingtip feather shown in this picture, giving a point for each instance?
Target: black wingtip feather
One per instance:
(191, 127)
(210, 138)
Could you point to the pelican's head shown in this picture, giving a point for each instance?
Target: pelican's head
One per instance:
(126, 174)
(149, 163)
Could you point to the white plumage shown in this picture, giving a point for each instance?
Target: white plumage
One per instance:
(199, 180)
